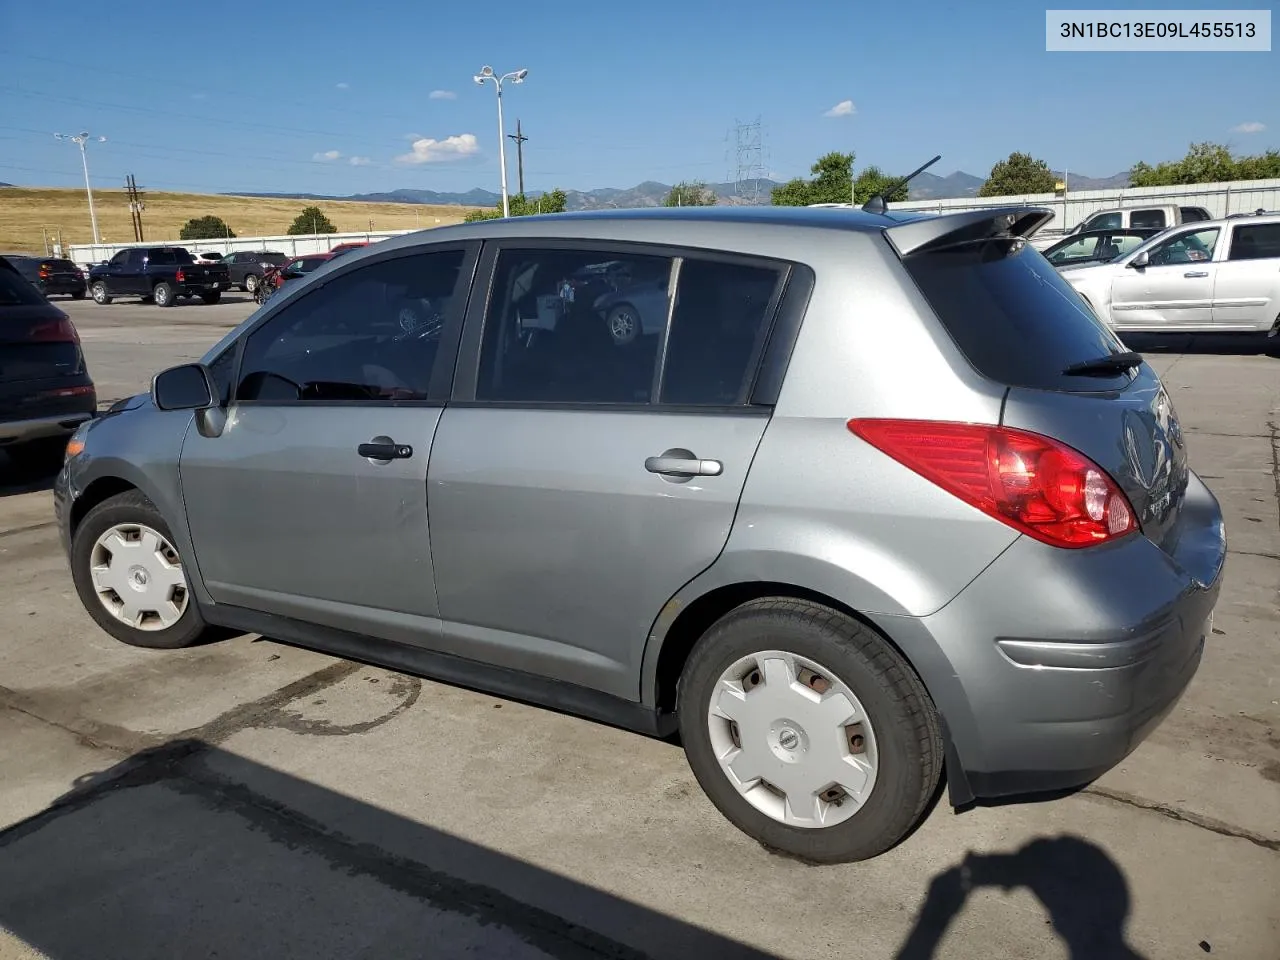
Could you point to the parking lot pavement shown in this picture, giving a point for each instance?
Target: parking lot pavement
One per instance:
(246, 798)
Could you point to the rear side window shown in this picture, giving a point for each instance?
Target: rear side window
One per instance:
(16, 290)
(1194, 214)
(1147, 220)
(1257, 241)
(1104, 221)
(159, 258)
(1011, 314)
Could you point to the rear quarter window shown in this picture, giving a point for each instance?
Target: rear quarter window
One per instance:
(1012, 316)
(16, 290)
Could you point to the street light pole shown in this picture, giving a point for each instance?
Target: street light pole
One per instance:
(81, 139)
(486, 73)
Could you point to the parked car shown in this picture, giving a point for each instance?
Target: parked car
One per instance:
(916, 508)
(1217, 276)
(45, 388)
(1157, 216)
(348, 247)
(295, 268)
(50, 275)
(247, 268)
(161, 275)
(1095, 246)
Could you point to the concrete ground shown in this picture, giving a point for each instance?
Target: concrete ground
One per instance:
(248, 799)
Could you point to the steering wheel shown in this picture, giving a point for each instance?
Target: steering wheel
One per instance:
(418, 322)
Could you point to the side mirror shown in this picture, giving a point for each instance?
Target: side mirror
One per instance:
(1140, 261)
(188, 387)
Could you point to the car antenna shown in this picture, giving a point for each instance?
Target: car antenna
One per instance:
(877, 203)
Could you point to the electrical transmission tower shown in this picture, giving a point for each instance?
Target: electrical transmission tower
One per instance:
(750, 167)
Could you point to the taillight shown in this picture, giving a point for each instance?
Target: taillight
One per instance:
(179, 276)
(44, 271)
(1035, 484)
(61, 330)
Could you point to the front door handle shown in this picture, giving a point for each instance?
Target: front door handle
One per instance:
(1196, 273)
(681, 464)
(384, 450)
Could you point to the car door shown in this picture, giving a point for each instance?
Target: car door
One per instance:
(118, 270)
(311, 503)
(1246, 291)
(1174, 291)
(577, 482)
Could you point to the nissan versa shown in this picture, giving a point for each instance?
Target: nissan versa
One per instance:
(876, 499)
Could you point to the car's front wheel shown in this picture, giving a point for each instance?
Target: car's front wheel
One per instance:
(808, 731)
(130, 577)
(99, 291)
(250, 283)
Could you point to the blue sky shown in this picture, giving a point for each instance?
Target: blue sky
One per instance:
(330, 97)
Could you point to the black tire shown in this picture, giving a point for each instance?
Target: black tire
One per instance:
(164, 294)
(622, 339)
(250, 284)
(77, 294)
(128, 507)
(211, 296)
(903, 718)
(99, 291)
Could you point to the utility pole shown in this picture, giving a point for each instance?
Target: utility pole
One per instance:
(136, 206)
(520, 139)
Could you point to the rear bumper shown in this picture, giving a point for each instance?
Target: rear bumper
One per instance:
(36, 428)
(1056, 664)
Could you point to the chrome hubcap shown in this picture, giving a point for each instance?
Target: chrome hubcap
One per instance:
(793, 739)
(623, 326)
(138, 577)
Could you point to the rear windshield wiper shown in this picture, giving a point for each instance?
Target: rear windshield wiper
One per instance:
(1101, 366)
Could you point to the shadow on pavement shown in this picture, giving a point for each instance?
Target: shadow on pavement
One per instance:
(1082, 889)
(1228, 344)
(189, 850)
(19, 476)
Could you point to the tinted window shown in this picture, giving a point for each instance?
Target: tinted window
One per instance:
(1193, 247)
(722, 317)
(371, 334)
(160, 258)
(26, 266)
(1104, 221)
(1147, 219)
(1011, 313)
(223, 369)
(16, 290)
(1255, 242)
(1075, 250)
(1194, 214)
(122, 257)
(307, 264)
(573, 326)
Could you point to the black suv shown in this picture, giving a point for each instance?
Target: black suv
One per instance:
(50, 275)
(248, 267)
(45, 390)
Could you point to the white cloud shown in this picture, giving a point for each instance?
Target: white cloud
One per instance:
(343, 85)
(1252, 126)
(844, 108)
(442, 95)
(326, 156)
(359, 161)
(427, 150)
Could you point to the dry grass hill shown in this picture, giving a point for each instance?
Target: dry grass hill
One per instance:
(25, 211)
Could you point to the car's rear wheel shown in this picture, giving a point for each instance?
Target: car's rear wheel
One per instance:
(99, 291)
(250, 284)
(129, 576)
(164, 294)
(624, 324)
(77, 294)
(808, 731)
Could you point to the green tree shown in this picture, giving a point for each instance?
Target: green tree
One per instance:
(311, 220)
(690, 193)
(207, 227)
(521, 206)
(1206, 163)
(832, 182)
(873, 182)
(1021, 173)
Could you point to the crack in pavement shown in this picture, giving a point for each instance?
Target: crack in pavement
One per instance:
(1183, 816)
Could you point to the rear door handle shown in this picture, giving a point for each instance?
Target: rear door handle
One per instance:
(1197, 273)
(384, 449)
(681, 463)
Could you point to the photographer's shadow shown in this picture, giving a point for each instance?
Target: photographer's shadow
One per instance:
(1082, 889)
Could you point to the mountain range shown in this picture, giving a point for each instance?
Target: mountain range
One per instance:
(926, 186)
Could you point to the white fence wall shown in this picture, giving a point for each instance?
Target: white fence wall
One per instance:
(292, 246)
(1220, 199)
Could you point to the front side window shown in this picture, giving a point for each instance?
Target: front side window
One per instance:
(1193, 247)
(1257, 241)
(1147, 220)
(1105, 221)
(368, 335)
(1075, 250)
(121, 258)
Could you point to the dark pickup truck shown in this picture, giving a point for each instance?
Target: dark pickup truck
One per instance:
(163, 274)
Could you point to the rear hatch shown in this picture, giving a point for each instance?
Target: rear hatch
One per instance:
(1021, 325)
(42, 370)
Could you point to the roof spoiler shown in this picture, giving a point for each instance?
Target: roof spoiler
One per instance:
(927, 233)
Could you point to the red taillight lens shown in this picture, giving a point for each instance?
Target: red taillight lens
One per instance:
(179, 276)
(56, 331)
(44, 271)
(1035, 484)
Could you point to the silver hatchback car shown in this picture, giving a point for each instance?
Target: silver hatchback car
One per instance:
(878, 500)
